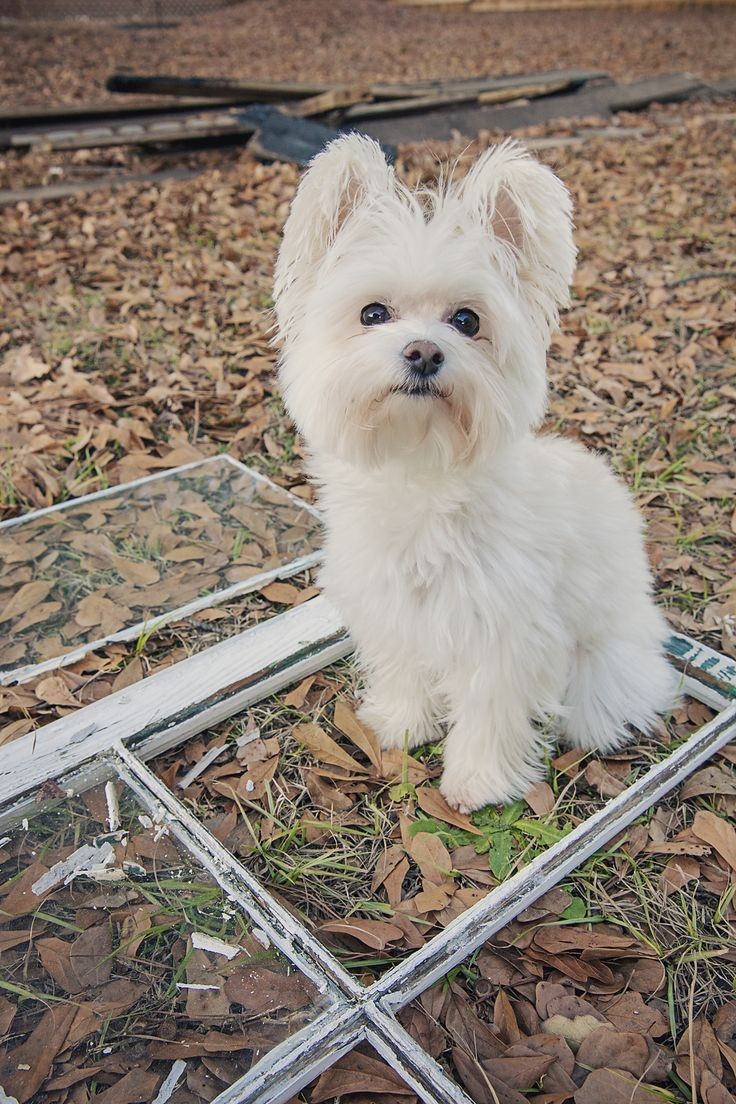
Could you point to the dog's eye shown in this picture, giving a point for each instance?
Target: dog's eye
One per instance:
(466, 321)
(375, 314)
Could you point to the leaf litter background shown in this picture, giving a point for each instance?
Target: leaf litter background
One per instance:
(103, 982)
(76, 576)
(136, 337)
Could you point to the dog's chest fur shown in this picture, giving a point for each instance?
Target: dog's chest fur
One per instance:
(439, 563)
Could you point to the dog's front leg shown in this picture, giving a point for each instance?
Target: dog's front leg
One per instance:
(493, 753)
(399, 703)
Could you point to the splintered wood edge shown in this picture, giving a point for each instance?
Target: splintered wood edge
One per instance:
(169, 706)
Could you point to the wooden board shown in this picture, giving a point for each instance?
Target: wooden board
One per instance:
(81, 113)
(421, 104)
(590, 100)
(161, 710)
(9, 196)
(250, 91)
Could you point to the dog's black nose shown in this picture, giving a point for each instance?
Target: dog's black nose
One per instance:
(424, 357)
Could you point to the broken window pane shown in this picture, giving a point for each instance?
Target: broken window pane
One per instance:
(109, 567)
(597, 989)
(360, 842)
(120, 956)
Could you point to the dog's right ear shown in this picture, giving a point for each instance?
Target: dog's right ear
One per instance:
(344, 176)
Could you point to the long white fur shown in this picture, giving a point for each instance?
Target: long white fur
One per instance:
(492, 579)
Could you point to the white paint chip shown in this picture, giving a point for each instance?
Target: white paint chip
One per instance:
(172, 1079)
(248, 737)
(5, 1099)
(203, 942)
(113, 806)
(87, 859)
(202, 765)
(260, 935)
(184, 985)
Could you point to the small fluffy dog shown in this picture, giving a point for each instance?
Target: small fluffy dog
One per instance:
(491, 578)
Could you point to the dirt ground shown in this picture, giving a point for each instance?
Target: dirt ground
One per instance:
(135, 335)
(339, 40)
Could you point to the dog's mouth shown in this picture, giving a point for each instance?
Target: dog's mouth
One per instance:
(420, 389)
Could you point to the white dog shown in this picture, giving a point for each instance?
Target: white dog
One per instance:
(491, 579)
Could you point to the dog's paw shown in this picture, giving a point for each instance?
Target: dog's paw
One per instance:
(468, 791)
(390, 732)
(467, 787)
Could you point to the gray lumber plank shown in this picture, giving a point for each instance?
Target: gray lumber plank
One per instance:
(601, 100)
(254, 91)
(9, 196)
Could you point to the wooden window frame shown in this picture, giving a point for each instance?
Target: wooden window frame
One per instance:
(116, 735)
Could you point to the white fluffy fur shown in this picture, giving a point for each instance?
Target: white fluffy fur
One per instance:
(491, 578)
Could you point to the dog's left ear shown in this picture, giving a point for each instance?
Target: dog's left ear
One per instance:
(348, 173)
(522, 204)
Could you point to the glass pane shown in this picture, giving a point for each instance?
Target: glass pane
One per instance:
(111, 566)
(360, 843)
(619, 984)
(119, 957)
(360, 1077)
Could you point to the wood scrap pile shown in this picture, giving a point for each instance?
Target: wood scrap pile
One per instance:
(291, 121)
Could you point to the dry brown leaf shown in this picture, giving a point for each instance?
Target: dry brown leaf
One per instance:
(677, 873)
(606, 1047)
(432, 857)
(324, 748)
(137, 572)
(54, 691)
(24, 1068)
(29, 595)
(607, 785)
(284, 593)
(81, 963)
(482, 1088)
(540, 798)
(718, 833)
(135, 1087)
(431, 801)
(364, 738)
(359, 1073)
(614, 1087)
(710, 780)
(263, 991)
(629, 1012)
(96, 609)
(128, 676)
(377, 934)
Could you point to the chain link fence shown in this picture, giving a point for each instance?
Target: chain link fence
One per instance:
(153, 11)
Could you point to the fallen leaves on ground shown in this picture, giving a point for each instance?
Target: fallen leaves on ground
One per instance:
(574, 1012)
(101, 983)
(84, 573)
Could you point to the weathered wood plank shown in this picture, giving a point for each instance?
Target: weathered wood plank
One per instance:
(470, 930)
(166, 708)
(43, 115)
(435, 101)
(252, 91)
(591, 99)
(47, 192)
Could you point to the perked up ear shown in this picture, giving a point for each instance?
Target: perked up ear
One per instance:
(522, 204)
(344, 176)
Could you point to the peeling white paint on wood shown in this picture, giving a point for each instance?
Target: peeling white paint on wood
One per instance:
(477, 924)
(182, 700)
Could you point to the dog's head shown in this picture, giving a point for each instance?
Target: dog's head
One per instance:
(415, 324)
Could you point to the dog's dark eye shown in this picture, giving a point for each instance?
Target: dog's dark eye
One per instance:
(375, 314)
(466, 321)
